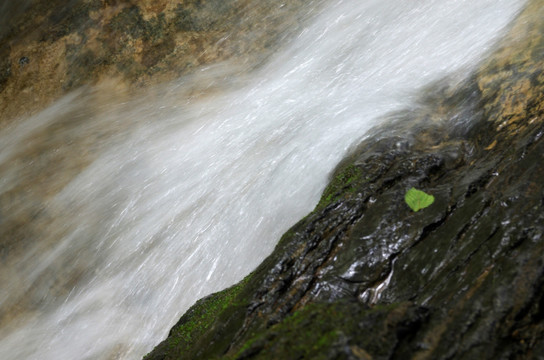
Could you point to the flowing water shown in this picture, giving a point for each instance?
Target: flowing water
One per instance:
(123, 212)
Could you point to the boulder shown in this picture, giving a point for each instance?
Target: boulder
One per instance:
(49, 48)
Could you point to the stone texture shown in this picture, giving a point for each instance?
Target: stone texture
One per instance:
(51, 47)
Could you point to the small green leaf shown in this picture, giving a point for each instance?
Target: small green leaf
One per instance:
(417, 199)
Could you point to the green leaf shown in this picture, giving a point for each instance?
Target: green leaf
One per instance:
(417, 199)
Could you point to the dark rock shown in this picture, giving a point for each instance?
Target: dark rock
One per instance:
(364, 277)
(5, 72)
(24, 61)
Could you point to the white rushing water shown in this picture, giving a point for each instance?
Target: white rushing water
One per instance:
(182, 196)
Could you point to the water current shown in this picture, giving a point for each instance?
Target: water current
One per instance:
(134, 208)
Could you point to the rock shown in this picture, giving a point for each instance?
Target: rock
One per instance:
(365, 277)
(133, 43)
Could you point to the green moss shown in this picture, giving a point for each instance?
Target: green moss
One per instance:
(291, 337)
(203, 314)
(325, 331)
(345, 181)
(200, 320)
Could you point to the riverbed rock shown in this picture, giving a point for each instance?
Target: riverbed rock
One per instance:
(365, 277)
(48, 48)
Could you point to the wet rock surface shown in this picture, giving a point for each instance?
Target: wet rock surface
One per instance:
(365, 277)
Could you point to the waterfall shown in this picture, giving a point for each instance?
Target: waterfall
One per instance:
(134, 208)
